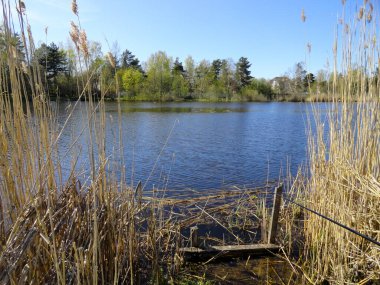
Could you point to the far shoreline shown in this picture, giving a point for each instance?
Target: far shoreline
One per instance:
(284, 99)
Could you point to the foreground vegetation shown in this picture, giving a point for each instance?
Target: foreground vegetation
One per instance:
(101, 230)
(343, 180)
(56, 230)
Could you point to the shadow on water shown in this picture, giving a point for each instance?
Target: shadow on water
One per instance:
(169, 109)
(268, 270)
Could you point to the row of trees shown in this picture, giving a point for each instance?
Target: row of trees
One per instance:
(299, 84)
(161, 77)
(164, 77)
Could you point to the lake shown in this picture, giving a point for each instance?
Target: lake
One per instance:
(193, 145)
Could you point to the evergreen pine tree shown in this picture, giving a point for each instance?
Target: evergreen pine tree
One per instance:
(243, 75)
(178, 67)
(129, 60)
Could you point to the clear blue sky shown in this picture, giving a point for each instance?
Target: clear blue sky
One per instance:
(270, 33)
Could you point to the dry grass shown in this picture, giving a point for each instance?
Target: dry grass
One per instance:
(62, 232)
(344, 164)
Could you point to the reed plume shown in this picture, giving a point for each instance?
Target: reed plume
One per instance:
(83, 43)
(74, 7)
(111, 59)
(74, 34)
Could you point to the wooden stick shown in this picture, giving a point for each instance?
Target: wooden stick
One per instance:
(194, 242)
(275, 214)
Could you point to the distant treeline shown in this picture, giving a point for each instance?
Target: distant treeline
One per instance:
(162, 78)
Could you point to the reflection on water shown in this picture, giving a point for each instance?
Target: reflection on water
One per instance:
(195, 145)
(182, 109)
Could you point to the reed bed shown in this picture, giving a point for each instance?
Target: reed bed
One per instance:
(137, 241)
(343, 180)
(59, 230)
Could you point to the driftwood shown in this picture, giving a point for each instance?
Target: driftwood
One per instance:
(228, 251)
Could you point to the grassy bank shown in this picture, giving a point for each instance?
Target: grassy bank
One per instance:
(236, 98)
(213, 98)
(258, 98)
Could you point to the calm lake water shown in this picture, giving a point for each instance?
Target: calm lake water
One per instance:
(196, 145)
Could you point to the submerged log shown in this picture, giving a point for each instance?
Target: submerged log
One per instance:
(227, 251)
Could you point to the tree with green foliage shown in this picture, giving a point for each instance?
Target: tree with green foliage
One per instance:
(159, 74)
(132, 80)
(67, 81)
(203, 78)
(227, 78)
(108, 78)
(52, 59)
(299, 74)
(99, 80)
(243, 74)
(180, 87)
(322, 82)
(128, 60)
(102, 74)
(309, 80)
(178, 67)
(190, 73)
(263, 88)
(53, 62)
(216, 68)
(95, 51)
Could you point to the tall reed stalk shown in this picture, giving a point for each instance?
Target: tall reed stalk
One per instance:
(344, 159)
(54, 231)
(93, 230)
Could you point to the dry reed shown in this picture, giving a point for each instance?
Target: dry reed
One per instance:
(102, 232)
(344, 163)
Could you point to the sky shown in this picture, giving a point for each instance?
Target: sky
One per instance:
(269, 33)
